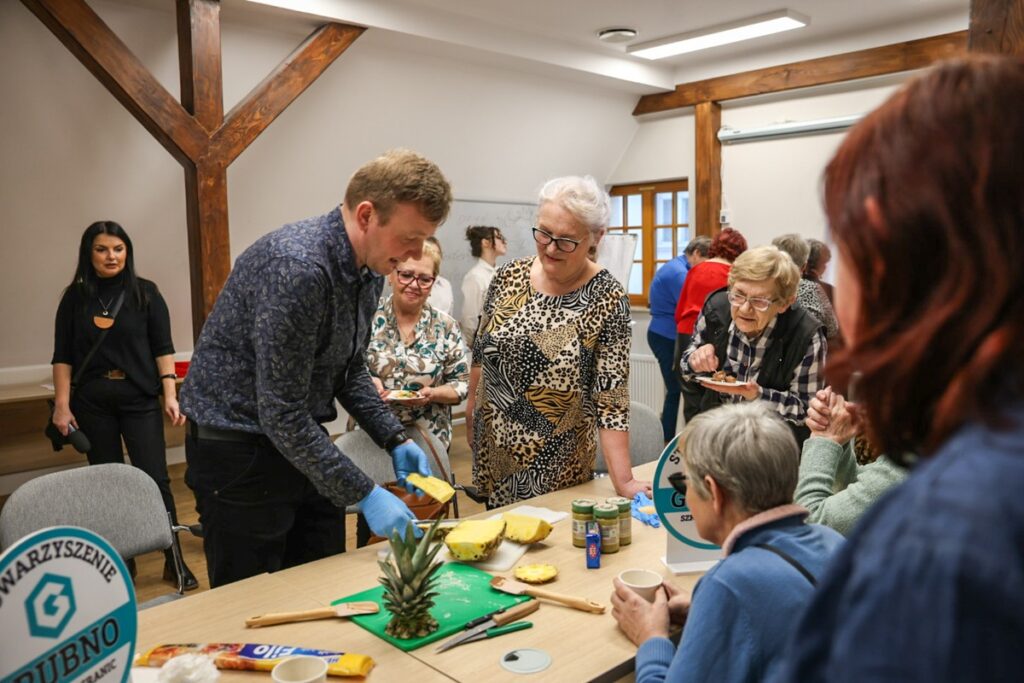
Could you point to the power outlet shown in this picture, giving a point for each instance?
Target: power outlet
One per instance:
(724, 217)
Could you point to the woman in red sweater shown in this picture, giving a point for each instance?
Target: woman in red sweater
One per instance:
(704, 278)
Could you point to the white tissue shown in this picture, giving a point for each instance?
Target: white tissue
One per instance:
(188, 669)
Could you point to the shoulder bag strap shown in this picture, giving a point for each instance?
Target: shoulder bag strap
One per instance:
(96, 344)
(790, 559)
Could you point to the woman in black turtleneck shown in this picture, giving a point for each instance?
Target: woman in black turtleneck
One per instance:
(118, 393)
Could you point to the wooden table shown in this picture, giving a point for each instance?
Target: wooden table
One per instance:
(583, 646)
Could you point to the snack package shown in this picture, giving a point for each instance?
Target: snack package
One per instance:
(252, 657)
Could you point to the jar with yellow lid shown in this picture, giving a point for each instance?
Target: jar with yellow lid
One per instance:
(607, 516)
(625, 508)
(582, 512)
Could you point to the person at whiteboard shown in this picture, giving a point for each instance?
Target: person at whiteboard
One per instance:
(550, 368)
(740, 467)
(441, 292)
(486, 243)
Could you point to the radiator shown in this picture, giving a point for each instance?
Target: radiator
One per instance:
(645, 383)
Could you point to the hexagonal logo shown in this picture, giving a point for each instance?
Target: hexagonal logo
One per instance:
(50, 606)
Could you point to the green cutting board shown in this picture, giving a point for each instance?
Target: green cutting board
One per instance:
(463, 594)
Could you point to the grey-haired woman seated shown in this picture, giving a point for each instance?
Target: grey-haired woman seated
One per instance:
(740, 464)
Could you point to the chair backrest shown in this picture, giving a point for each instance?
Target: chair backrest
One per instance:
(119, 502)
(646, 438)
(375, 462)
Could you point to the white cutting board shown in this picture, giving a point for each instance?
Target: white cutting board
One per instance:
(508, 553)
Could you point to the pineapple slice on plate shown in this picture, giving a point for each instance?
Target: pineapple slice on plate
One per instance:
(409, 578)
(525, 529)
(475, 540)
(536, 573)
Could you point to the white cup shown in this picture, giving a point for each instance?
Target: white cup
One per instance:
(300, 669)
(643, 582)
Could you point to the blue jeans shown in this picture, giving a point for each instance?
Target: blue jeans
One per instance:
(663, 349)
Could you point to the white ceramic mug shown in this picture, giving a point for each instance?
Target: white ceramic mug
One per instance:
(643, 582)
(300, 669)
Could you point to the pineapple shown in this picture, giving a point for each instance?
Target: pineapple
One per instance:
(475, 540)
(438, 489)
(525, 529)
(409, 578)
(536, 573)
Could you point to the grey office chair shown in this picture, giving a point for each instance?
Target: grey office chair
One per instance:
(646, 438)
(119, 502)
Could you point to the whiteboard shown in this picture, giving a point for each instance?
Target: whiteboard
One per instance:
(514, 219)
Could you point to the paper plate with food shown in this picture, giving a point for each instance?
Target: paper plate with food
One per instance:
(402, 395)
(719, 379)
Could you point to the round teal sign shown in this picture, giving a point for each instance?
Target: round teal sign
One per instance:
(67, 609)
(670, 504)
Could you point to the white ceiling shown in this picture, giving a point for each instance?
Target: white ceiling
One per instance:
(559, 37)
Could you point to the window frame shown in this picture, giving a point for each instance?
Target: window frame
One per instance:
(648, 192)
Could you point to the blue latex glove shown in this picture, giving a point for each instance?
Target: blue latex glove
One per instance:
(649, 518)
(385, 513)
(409, 458)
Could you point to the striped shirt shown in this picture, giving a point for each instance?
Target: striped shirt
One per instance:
(743, 360)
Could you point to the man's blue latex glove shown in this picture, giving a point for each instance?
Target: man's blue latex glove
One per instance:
(641, 500)
(385, 513)
(408, 458)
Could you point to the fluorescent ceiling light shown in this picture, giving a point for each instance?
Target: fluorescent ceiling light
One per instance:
(733, 32)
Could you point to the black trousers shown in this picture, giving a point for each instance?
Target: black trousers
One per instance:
(108, 410)
(259, 513)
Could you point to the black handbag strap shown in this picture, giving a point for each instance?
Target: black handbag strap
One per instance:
(789, 558)
(96, 344)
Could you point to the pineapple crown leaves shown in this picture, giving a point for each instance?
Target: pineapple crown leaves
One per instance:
(410, 558)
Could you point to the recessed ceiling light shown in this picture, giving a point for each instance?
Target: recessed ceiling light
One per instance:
(616, 35)
(733, 32)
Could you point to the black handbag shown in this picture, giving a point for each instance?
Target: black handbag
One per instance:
(77, 439)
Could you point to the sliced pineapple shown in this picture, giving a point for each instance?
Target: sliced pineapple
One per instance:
(525, 529)
(475, 540)
(536, 573)
(438, 489)
(445, 526)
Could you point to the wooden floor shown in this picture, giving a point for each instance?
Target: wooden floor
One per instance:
(149, 581)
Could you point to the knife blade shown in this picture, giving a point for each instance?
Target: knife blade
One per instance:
(496, 631)
(482, 624)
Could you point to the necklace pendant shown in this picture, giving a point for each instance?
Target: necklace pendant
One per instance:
(102, 322)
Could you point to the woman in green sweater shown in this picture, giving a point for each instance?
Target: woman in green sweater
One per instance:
(832, 486)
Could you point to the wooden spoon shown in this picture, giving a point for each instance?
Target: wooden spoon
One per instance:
(347, 609)
(513, 587)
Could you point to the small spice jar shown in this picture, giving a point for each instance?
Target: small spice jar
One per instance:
(582, 512)
(625, 506)
(607, 515)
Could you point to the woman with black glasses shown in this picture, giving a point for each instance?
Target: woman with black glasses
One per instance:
(418, 349)
(752, 343)
(550, 368)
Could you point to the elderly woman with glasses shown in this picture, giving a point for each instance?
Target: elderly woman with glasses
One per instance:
(550, 368)
(752, 343)
(418, 349)
(740, 469)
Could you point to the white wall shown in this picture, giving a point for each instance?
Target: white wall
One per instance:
(73, 155)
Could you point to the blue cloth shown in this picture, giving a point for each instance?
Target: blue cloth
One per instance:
(287, 336)
(930, 586)
(663, 294)
(744, 608)
(664, 350)
(649, 518)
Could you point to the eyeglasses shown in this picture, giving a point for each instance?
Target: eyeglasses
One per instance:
(758, 303)
(561, 243)
(407, 277)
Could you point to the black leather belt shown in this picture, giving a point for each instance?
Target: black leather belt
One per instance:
(214, 434)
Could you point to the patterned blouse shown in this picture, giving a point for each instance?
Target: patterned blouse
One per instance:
(554, 370)
(437, 356)
(812, 297)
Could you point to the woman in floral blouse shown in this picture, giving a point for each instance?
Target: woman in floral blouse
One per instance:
(417, 348)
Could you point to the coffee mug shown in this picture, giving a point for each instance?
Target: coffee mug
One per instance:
(300, 669)
(643, 582)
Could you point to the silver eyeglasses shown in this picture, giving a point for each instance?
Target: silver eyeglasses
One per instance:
(758, 303)
(407, 277)
(561, 243)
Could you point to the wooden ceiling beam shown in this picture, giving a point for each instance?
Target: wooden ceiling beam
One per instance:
(99, 49)
(997, 26)
(878, 61)
(199, 65)
(279, 89)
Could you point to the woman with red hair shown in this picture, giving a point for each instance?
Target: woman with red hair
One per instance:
(704, 278)
(930, 586)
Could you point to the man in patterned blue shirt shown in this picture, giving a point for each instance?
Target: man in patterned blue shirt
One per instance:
(287, 336)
